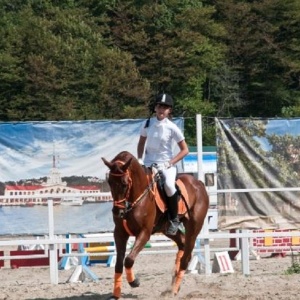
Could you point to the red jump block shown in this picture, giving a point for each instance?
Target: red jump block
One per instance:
(29, 262)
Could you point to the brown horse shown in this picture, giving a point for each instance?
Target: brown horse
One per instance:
(136, 213)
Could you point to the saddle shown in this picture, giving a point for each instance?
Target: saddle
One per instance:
(160, 198)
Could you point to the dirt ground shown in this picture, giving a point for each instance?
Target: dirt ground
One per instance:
(267, 280)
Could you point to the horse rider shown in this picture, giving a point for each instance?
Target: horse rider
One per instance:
(157, 137)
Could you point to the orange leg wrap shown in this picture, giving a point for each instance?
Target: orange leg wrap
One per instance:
(178, 281)
(177, 261)
(129, 274)
(117, 285)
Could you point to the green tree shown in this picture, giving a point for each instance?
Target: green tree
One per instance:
(56, 57)
(262, 38)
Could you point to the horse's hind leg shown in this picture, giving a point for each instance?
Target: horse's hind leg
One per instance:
(183, 258)
(179, 239)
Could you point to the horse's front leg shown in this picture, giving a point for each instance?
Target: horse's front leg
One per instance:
(138, 246)
(121, 244)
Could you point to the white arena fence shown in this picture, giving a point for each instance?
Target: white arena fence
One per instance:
(54, 244)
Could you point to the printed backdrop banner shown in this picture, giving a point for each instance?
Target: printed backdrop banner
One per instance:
(27, 149)
(258, 153)
(58, 157)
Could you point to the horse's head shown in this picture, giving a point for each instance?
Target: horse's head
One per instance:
(127, 180)
(120, 182)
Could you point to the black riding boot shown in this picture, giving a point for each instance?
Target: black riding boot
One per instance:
(172, 203)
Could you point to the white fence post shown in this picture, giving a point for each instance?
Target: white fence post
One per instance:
(199, 147)
(245, 253)
(205, 230)
(52, 247)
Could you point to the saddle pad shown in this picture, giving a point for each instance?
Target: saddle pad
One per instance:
(181, 205)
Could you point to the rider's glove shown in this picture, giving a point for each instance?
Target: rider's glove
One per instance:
(167, 165)
(141, 162)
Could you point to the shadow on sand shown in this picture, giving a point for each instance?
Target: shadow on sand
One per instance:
(88, 296)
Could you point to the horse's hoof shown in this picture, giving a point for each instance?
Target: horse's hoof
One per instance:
(135, 283)
(176, 292)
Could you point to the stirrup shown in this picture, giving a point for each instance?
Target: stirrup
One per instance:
(173, 228)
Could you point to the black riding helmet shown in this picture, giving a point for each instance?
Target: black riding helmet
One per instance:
(165, 99)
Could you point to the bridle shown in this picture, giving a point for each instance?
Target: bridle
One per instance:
(123, 203)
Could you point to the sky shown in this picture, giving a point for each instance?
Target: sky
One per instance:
(27, 148)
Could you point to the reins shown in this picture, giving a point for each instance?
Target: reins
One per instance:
(146, 191)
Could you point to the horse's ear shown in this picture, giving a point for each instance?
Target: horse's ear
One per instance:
(126, 165)
(107, 163)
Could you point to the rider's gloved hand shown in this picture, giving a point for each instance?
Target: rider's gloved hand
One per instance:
(167, 165)
(141, 162)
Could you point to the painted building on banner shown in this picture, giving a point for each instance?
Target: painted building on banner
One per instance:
(61, 193)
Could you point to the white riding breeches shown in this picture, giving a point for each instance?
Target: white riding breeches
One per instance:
(170, 177)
